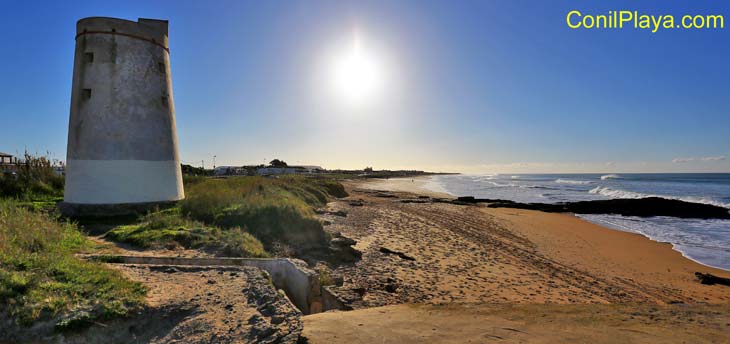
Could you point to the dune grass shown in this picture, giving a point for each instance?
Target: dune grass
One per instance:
(40, 278)
(277, 211)
(247, 216)
(168, 229)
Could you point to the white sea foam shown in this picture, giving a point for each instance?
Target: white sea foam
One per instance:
(508, 185)
(515, 177)
(610, 176)
(574, 182)
(615, 193)
(434, 184)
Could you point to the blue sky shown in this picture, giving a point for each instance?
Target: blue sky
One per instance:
(470, 86)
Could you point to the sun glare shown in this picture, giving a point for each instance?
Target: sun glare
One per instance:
(357, 75)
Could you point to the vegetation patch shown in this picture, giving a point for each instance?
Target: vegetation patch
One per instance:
(277, 211)
(34, 180)
(169, 229)
(41, 279)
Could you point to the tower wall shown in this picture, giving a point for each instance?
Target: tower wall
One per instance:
(122, 141)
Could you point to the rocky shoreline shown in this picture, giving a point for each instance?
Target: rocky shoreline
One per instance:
(641, 207)
(429, 249)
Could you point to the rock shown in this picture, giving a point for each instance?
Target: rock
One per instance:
(641, 207)
(710, 279)
(210, 281)
(342, 241)
(413, 201)
(340, 213)
(399, 254)
(385, 195)
(356, 204)
(341, 249)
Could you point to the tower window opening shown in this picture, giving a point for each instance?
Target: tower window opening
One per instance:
(161, 67)
(88, 57)
(86, 94)
(164, 101)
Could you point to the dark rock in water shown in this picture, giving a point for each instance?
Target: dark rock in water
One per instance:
(711, 279)
(642, 207)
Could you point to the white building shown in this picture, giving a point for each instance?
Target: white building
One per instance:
(309, 169)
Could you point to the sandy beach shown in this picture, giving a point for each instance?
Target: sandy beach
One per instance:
(416, 251)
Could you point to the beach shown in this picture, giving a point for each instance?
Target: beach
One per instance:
(417, 249)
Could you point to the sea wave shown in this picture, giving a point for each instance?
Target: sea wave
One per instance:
(616, 193)
(500, 185)
(515, 177)
(610, 176)
(574, 182)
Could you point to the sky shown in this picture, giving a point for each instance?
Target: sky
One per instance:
(460, 86)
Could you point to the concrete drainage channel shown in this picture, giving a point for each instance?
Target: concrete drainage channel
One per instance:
(300, 283)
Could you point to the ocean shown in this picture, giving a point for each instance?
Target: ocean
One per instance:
(705, 241)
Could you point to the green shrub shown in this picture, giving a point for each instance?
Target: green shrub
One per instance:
(41, 278)
(34, 179)
(170, 229)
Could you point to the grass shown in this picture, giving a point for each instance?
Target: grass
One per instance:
(169, 229)
(35, 179)
(41, 279)
(277, 211)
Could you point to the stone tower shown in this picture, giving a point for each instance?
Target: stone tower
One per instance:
(122, 141)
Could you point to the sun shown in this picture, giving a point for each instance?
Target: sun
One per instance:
(357, 75)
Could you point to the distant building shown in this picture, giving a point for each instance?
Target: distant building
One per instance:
(265, 170)
(310, 169)
(229, 171)
(6, 162)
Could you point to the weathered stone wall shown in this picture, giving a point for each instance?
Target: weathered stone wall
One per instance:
(300, 283)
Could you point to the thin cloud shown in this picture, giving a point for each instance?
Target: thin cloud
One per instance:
(704, 158)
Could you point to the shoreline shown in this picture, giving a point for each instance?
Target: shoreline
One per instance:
(420, 186)
(435, 271)
(660, 242)
(630, 266)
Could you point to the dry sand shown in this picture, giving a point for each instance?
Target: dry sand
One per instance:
(473, 256)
